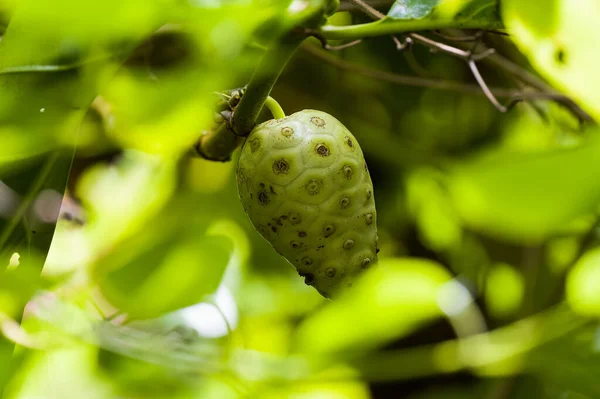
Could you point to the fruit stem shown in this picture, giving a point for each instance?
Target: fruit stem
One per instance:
(275, 108)
(389, 26)
(266, 74)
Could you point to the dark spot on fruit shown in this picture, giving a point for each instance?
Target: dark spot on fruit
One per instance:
(283, 217)
(365, 262)
(307, 261)
(344, 202)
(319, 122)
(281, 166)
(349, 141)
(263, 198)
(328, 230)
(251, 195)
(377, 250)
(369, 194)
(365, 164)
(320, 246)
(347, 171)
(348, 244)
(322, 150)
(295, 244)
(295, 218)
(274, 229)
(272, 191)
(369, 218)
(262, 185)
(314, 186)
(308, 277)
(254, 144)
(330, 272)
(301, 234)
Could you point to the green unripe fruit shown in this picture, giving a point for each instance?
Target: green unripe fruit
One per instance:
(304, 183)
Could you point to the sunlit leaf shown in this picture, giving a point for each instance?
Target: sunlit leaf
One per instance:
(504, 291)
(526, 197)
(390, 302)
(556, 35)
(583, 284)
(54, 59)
(193, 267)
(463, 10)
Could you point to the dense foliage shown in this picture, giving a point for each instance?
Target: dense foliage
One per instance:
(131, 270)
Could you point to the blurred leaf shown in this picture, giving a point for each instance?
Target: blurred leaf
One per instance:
(528, 197)
(122, 197)
(392, 300)
(44, 376)
(166, 275)
(504, 291)
(556, 35)
(55, 58)
(570, 364)
(332, 384)
(583, 284)
(438, 224)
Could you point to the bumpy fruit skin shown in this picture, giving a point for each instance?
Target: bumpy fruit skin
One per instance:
(304, 183)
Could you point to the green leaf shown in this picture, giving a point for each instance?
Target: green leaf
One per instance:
(163, 272)
(460, 10)
(583, 285)
(392, 300)
(556, 36)
(411, 9)
(54, 59)
(527, 197)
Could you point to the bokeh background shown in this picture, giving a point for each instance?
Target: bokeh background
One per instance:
(130, 270)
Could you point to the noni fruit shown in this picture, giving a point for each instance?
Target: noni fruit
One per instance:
(304, 183)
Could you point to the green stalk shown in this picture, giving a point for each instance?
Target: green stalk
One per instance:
(388, 26)
(262, 82)
(275, 108)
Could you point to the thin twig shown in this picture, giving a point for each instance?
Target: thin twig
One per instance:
(491, 56)
(415, 81)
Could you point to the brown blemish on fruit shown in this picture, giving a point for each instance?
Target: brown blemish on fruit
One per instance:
(274, 229)
(344, 202)
(377, 250)
(295, 218)
(301, 234)
(307, 261)
(369, 194)
(328, 230)
(295, 244)
(319, 122)
(322, 150)
(366, 169)
(369, 218)
(348, 244)
(281, 166)
(262, 185)
(347, 171)
(365, 262)
(254, 144)
(330, 272)
(287, 131)
(349, 142)
(314, 186)
(263, 198)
